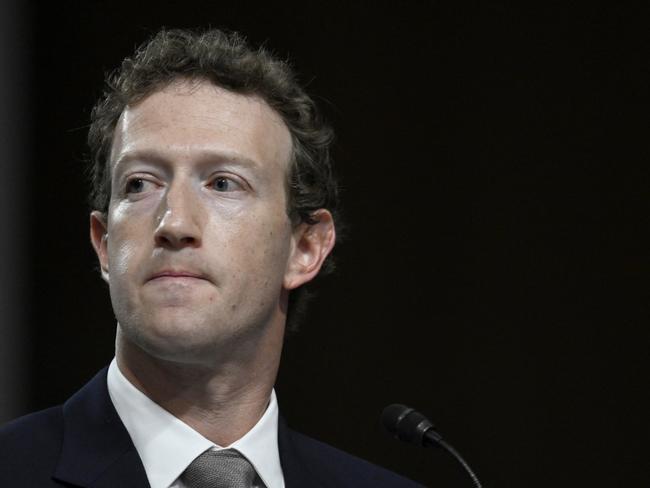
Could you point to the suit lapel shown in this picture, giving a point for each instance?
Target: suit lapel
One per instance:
(297, 473)
(97, 451)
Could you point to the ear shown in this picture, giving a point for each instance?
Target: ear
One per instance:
(311, 245)
(98, 237)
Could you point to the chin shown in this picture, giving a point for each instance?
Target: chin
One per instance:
(180, 341)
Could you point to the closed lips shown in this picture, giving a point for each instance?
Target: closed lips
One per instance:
(176, 274)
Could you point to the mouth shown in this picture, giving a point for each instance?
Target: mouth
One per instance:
(178, 275)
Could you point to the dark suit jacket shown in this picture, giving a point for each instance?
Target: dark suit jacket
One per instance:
(84, 443)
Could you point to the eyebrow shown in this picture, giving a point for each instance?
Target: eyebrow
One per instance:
(203, 157)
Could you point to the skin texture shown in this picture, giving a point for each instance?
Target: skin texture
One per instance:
(199, 252)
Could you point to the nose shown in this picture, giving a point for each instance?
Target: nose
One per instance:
(180, 224)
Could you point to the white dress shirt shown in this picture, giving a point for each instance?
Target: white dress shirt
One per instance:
(167, 445)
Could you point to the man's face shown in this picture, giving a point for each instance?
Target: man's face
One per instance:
(197, 247)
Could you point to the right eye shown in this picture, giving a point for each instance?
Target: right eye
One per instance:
(137, 185)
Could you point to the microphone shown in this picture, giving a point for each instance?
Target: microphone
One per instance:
(410, 426)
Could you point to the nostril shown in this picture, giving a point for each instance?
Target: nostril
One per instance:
(174, 241)
(190, 241)
(162, 241)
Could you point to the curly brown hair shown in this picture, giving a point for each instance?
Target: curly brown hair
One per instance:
(225, 59)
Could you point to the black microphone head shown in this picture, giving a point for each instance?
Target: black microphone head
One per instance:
(410, 426)
(393, 415)
(405, 423)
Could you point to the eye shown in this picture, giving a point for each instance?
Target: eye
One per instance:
(225, 184)
(137, 185)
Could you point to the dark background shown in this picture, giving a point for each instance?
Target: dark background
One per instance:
(493, 159)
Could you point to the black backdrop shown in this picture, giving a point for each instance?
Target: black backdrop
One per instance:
(494, 161)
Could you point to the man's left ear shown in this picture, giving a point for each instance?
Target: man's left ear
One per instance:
(312, 243)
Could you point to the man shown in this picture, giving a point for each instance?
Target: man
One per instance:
(214, 203)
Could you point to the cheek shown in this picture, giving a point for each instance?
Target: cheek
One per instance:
(121, 258)
(262, 248)
(124, 247)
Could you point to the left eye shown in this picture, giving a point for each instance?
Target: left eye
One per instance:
(224, 184)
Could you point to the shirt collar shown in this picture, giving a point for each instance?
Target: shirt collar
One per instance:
(167, 445)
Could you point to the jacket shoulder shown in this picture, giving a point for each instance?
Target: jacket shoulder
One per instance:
(30, 447)
(336, 468)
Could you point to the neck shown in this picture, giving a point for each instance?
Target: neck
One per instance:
(222, 401)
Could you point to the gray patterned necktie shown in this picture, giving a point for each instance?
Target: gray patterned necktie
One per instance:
(226, 468)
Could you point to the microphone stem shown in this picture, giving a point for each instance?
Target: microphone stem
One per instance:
(441, 442)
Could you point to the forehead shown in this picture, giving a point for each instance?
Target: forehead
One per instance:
(187, 117)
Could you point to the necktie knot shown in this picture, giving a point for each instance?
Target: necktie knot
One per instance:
(225, 468)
